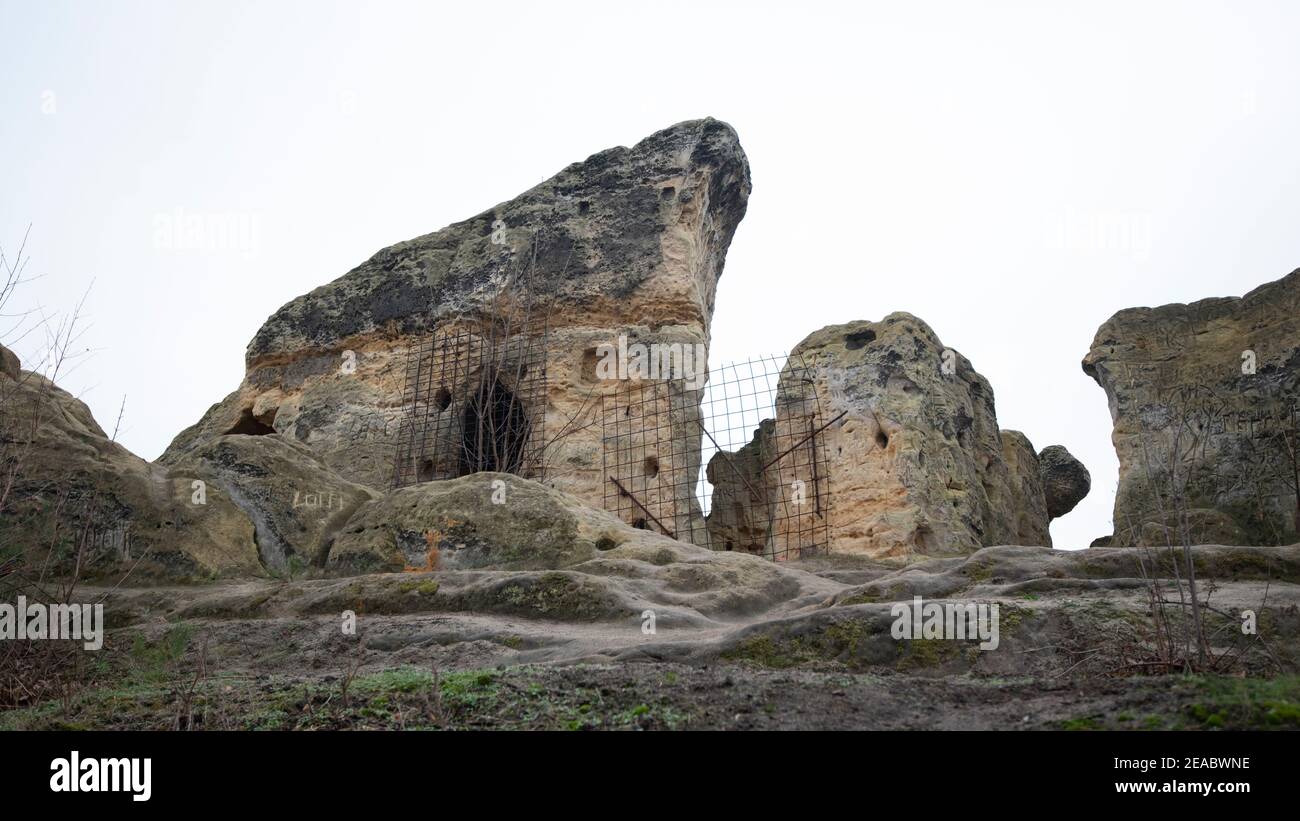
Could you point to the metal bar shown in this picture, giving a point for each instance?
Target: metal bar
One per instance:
(817, 505)
(644, 509)
(782, 455)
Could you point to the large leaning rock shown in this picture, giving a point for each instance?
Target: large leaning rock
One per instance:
(631, 241)
(918, 465)
(1204, 403)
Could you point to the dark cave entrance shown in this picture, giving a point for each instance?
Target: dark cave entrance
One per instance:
(494, 430)
(474, 401)
(250, 425)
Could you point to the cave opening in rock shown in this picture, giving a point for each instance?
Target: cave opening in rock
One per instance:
(250, 425)
(494, 429)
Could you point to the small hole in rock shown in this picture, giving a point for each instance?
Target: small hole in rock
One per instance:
(584, 207)
(425, 473)
(858, 340)
(442, 399)
(639, 524)
(591, 358)
(667, 193)
(651, 467)
(882, 439)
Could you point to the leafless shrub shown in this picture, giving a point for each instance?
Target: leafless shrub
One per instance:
(185, 696)
(1175, 459)
(350, 674)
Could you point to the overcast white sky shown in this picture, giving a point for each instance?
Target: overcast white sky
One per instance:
(1012, 173)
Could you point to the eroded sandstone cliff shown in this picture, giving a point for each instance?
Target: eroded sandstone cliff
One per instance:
(1204, 403)
(917, 463)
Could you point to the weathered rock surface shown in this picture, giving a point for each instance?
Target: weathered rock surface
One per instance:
(1204, 403)
(1062, 613)
(295, 502)
(1065, 480)
(1025, 500)
(742, 508)
(919, 466)
(237, 505)
(73, 487)
(486, 520)
(630, 241)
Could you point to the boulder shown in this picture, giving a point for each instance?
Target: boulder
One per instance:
(918, 464)
(1203, 398)
(295, 503)
(1065, 480)
(485, 521)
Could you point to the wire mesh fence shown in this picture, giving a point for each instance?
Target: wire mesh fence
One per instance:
(473, 401)
(650, 458)
(740, 465)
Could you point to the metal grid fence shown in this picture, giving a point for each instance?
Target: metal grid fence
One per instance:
(473, 401)
(740, 465)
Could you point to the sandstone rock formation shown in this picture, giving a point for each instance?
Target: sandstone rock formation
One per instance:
(630, 241)
(1024, 501)
(296, 467)
(1204, 403)
(742, 510)
(626, 244)
(918, 464)
(295, 503)
(1065, 480)
(67, 491)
